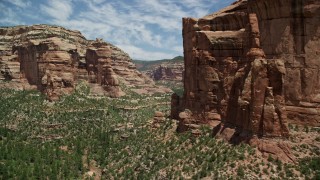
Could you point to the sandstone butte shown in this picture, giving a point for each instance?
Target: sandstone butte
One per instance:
(53, 60)
(254, 66)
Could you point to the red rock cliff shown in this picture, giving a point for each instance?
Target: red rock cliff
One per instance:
(53, 59)
(252, 65)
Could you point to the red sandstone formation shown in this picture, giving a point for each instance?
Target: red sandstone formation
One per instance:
(98, 60)
(49, 65)
(53, 59)
(253, 65)
(167, 72)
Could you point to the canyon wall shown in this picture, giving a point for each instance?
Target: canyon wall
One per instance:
(253, 65)
(54, 59)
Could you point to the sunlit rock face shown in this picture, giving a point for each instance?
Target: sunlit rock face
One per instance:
(54, 59)
(48, 66)
(253, 65)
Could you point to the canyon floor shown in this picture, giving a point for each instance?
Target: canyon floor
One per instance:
(93, 137)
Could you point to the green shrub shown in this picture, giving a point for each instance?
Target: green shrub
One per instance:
(310, 166)
(240, 171)
(178, 91)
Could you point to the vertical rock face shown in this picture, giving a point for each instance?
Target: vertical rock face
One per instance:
(49, 65)
(53, 59)
(290, 31)
(99, 67)
(245, 63)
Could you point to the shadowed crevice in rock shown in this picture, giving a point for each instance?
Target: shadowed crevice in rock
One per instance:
(298, 29)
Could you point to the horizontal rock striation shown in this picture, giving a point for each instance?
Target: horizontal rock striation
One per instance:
(53, 59)
(253, 65)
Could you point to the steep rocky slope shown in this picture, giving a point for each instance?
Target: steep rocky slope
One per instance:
(53, 59)
(253, 65)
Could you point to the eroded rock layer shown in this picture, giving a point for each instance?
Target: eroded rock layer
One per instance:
(53, 59)
(252, 65)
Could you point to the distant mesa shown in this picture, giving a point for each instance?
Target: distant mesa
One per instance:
(162, 70)
(53, 60)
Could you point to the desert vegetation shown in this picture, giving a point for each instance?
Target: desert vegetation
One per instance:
(83, 137)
